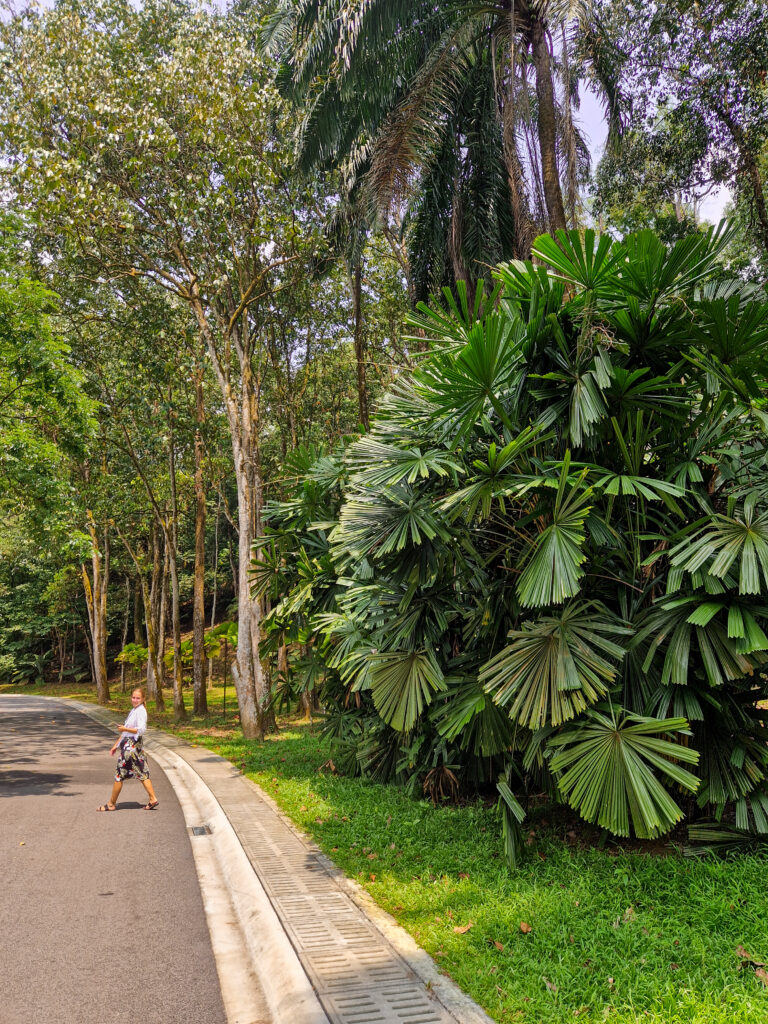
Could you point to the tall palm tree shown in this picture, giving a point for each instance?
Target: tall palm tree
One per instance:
(450, 109)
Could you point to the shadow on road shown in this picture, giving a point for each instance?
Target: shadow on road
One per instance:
(34, 784)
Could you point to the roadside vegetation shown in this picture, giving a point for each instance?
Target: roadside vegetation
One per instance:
(340, 366)
(586, 929)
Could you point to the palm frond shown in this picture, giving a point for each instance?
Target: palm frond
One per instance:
(607, 767)
(555, 667)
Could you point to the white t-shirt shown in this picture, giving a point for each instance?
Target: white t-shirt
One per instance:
(137, 719)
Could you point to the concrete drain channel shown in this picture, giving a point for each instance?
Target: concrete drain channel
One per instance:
(357, 974)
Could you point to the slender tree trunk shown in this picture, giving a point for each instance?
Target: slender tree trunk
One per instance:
(89, 648)
(137, 608)
(61, 638)
(356, 285)
(179, 711)
(282, 661)
(524, 233)
(246, 668)
(545, 95)
(242, 418)
(215, 583)
(152, 621)
(172, 546)
(96, 601)
(126, 627)
(572, 192)
(200, 702)
(162, 618)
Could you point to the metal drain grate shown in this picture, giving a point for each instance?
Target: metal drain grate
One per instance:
(358, 976)
(200, 830)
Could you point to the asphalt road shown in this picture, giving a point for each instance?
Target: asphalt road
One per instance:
(101, 918)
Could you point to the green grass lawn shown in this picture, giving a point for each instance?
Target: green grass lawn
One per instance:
(609, 935)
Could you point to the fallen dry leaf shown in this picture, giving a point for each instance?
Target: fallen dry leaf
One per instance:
(674, 967)
(762, 975)
(550, 985)
(498, 945)
(740, 951)
(463, 874)
(611, 984)
(525, 928)
(461, 929)
(628, 915)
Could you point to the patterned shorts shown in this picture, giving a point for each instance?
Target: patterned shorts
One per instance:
(131, 764)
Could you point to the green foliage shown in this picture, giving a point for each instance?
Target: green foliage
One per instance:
(539, 570)
(134, 655)
(620, 934)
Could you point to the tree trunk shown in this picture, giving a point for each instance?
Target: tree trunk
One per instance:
(61, 638)
(518, 197)
(137, 608)
(172, 546)
(200, 703)
(356, 285)
(545, 95)
(152, 619)
(215, 583)
(572, 191)
(126, 627)
(162, 618)
(246, 668)
(96, 601)
(242, 419)
(179, 711)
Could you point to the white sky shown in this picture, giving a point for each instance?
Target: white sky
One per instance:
(591, 119)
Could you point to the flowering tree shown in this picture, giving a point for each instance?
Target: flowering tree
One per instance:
(151, 142)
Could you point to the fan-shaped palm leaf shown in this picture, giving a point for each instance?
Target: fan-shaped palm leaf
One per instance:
(687, 628)
(607, 764)
(553, 570)
(464, 386)
(555, 667)
(588, 262)
(402, 684)
(726, 541)
(469, 716)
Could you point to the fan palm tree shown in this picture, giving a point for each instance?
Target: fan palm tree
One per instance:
(554, 541)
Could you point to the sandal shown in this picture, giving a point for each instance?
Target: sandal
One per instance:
(151, 806)
(107, 807)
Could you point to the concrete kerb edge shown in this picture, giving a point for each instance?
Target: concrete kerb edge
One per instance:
(287, 988)
(442, 988)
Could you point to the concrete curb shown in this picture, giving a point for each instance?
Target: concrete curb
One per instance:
(263, 933)
(224, 870)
